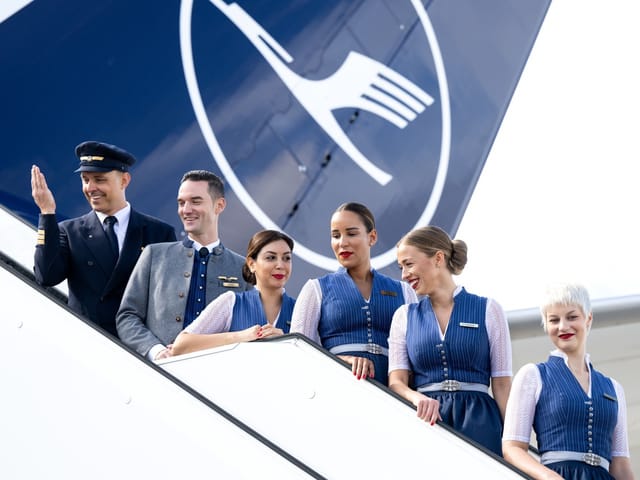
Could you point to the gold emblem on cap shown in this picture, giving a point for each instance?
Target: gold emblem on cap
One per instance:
(91, 158)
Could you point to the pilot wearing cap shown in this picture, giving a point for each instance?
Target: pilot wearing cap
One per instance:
(102, 157)
(96, 252)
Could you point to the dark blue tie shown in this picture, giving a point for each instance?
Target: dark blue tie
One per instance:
(111, 235)
(197, 298)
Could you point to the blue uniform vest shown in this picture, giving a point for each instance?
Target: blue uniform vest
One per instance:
(345, 316)
(463, 355)
(566, 419)
(248, 311)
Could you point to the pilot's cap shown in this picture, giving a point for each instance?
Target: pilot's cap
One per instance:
(102, 157)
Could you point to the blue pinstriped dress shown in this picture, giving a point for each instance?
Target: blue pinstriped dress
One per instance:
(566, 419)
(346, 317)
(464, 356)
(248, 311)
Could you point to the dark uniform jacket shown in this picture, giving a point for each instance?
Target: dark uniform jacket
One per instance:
(78, 250)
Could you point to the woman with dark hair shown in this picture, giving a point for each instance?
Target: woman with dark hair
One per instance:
(244, 316)
(349, 312)
(449, 348)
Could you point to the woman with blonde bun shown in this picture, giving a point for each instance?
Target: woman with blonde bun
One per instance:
(449, 348)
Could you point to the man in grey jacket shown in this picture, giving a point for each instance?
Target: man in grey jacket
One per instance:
(173, 282)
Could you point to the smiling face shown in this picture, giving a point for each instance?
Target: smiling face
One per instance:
(199, 211)
(418, 269)
(350, 241)
(272, 265)
(568, 327)
(105, 190)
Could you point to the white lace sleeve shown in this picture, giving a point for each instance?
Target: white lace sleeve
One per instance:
(216, 317)
(620, 441)
(499, 340)
(306, 312)
(398, 356)
(409, 293)
(521, 406)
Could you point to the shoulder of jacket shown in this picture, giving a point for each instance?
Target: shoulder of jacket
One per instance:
(166, 246)
(231, 254)
(149, 218)
(77, 222)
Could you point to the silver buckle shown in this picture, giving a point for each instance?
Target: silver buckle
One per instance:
(592, 459)
(374, 348)
(450, 385)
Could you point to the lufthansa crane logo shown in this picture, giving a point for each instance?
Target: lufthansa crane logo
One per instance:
(360, 82)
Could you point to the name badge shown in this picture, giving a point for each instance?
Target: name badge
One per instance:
(388, 293)
(468, 325)
(228, 282)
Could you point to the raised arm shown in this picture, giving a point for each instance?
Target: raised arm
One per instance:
(51, 257)
(41, 193)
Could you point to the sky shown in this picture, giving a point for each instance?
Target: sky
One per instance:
(558, 196)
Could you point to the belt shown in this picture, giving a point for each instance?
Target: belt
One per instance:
(561, 456)
(453, 386)
(360, 347)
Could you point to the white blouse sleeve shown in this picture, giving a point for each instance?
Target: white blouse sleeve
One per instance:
(306, 312)
(521, 406)
(216, 317)
(409, 293)
(398, 355)
(499, 340)
(620, 440)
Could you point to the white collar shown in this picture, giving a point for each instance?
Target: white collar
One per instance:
(122, 215)
(559, 353)
(211, 246)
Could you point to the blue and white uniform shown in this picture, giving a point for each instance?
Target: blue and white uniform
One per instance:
(456, 366)
(577, 432)
(332, 312)
(236, 311)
